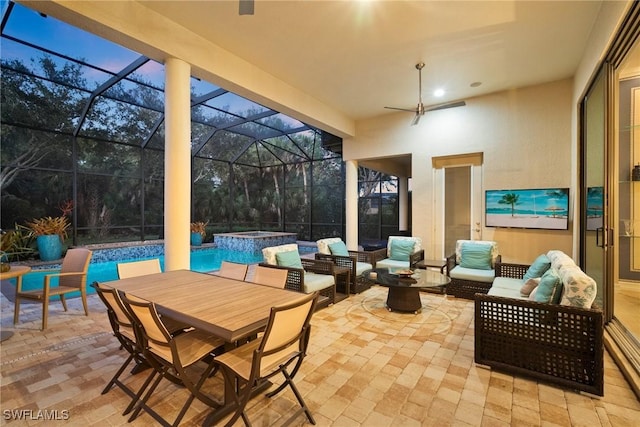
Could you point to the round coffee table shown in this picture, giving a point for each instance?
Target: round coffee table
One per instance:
(404, 291)
(17, 271)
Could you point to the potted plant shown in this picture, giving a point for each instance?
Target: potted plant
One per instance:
(198, 232)
(50, 233)
(14, 246)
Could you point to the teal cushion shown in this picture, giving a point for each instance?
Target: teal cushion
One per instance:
(339, 248)
(475, 256)
(289, 259)
(549, 289)
(538, 268)
(401, 249)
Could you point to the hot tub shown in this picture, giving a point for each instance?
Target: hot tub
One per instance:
(253, 241)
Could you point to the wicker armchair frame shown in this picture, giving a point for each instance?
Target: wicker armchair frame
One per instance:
(558, 344)
(466, 288)
(295, 278)
(358, 284)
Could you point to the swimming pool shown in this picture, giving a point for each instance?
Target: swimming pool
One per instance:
(202, 260)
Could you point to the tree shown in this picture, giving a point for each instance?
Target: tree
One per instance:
(510, 199)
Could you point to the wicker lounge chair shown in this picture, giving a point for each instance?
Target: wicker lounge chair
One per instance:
(357, 261)
(305, 274)
(392, 256)
(466, 280)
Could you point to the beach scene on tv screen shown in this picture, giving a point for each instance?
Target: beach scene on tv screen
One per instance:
(546, 208)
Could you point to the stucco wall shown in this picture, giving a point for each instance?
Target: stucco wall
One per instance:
(524, 135)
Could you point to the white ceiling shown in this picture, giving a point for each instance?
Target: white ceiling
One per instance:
(359, 56)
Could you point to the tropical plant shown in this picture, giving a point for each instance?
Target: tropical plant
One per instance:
(49, 225)
(16, 244)
(199, 227)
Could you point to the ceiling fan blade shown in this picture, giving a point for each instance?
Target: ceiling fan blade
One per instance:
(413, 110)
(416, 119)
(245, 7)
(447, 105)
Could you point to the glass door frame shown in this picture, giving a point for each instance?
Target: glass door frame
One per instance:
(620, 344)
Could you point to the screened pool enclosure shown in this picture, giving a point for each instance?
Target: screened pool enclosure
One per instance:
(83, 129)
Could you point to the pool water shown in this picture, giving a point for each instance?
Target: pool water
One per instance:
(204, 260)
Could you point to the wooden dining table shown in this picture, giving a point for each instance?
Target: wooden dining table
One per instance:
(228, 308)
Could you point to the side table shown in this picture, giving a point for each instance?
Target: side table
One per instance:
(16, 272)
(342, 271)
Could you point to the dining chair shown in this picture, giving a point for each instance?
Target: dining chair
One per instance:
(122, 325)
(172, 355)
(139, 268)
(233, 270)
(283, 344)
(276, 277)
(71, 278)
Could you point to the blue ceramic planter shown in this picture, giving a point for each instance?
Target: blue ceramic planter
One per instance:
(49, 247)
(196, 239)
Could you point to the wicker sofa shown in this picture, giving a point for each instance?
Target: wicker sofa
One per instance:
(558, 343)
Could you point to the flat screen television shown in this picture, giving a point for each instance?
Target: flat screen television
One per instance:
(544, 208)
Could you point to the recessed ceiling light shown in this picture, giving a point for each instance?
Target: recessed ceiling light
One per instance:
(438, 93)
(475, 84)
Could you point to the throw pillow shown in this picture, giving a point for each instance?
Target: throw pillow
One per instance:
(475, 256)
(538, 268)
(579, 289)
(289, 259)
(401, 250)
(529, 286)
(338, 248)
(549, 289)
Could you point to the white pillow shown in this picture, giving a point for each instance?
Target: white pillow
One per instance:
(579, 289)
(323, 244)
(269, 254)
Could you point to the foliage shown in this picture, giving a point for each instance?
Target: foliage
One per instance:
(114, 167)
(49, 225)
(16, 244)
(199, 227)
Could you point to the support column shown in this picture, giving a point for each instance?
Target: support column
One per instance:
(403, 203)
(177, 165)
(351, 204)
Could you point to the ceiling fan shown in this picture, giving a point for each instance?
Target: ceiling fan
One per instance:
(420, 109)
